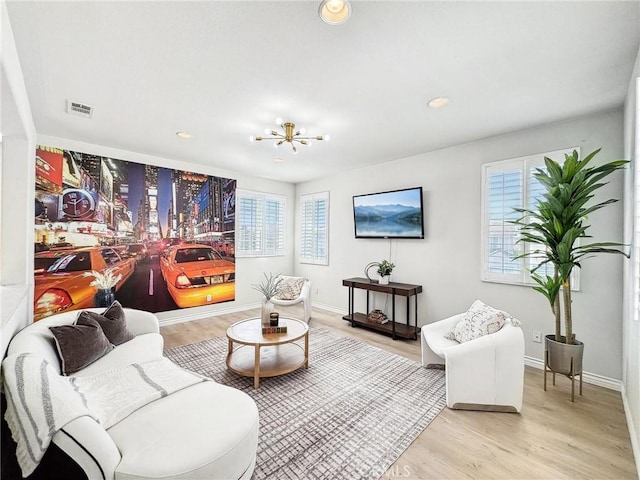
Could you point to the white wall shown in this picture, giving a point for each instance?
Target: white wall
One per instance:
(16, 168)
(631, 332)
(447, 261)
(248, 270)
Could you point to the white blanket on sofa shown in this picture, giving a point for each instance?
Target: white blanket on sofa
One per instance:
(115, 394)
(40, 401)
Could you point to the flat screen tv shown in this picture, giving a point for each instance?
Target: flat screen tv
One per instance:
(395, 214)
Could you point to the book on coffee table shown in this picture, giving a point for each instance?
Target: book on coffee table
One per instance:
(279, 329)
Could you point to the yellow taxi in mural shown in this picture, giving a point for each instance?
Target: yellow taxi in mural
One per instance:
(197, 275)
(60, 283)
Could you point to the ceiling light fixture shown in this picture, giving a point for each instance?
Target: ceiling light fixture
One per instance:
(438, 102)
(290, 135)
(334, 12)
(185, 135)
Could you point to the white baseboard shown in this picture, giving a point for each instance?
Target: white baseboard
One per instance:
(181, 317)
(330, 308)
(632, 430)
(591, 378)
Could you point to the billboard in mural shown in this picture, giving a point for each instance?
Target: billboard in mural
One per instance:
(166, 236)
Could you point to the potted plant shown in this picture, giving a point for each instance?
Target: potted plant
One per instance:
(556, 230)
(268, 287)
(385, 268)
(105, 283)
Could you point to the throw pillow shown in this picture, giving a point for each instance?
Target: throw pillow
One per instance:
(80, 345)
(289, 288)
(478, 321)
(113, 323)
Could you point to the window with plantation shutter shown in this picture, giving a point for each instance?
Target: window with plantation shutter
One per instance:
(259, 224)
(314, 228)
(507, 185)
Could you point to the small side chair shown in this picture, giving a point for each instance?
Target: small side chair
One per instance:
(304, 296)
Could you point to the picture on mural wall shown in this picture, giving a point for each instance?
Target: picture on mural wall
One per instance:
(165, 236)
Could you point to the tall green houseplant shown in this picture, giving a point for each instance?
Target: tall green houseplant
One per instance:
(556, 230)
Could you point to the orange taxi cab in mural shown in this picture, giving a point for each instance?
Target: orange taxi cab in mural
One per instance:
(60, 283)
(197, 275)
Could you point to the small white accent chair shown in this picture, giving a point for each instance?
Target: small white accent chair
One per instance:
(304, 297)
(486, 373)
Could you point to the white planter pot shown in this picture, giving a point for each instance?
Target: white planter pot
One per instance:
(384, 280)
(267, 308)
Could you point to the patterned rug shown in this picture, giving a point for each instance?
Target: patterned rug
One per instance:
(350, 415)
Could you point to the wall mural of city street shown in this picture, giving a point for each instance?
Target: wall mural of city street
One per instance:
(166, 236)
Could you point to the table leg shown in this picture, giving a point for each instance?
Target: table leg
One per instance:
(256, 368)
(306, 353)
(230, 351)
(415, 331)
(393, 316)
(351, 305)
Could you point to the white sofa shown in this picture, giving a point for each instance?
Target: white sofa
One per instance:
(205, 431)
(482, 374)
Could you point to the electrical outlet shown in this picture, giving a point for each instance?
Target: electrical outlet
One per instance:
(315, 290)
(537, 337)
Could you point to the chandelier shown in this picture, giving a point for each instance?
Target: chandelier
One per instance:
(289, 135)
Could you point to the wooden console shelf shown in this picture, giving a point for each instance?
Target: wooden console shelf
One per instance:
(393, 328)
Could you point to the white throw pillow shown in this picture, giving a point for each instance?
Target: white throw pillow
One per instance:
(289, 288)
(478, 321)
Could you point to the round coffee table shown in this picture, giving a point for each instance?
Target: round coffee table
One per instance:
(272, 354)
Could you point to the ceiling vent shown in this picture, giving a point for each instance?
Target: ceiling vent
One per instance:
(79, 109)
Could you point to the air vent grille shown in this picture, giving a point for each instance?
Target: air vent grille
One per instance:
(79, 109)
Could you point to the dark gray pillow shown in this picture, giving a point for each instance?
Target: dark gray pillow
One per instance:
(113, 323)
(80, 345)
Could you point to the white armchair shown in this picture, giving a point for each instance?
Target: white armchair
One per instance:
(482, 374)
(304, 297)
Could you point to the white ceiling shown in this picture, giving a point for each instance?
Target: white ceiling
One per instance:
(225, 70)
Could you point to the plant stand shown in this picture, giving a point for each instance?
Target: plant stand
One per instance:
(572, 374)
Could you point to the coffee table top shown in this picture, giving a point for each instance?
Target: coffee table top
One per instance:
(249, 332)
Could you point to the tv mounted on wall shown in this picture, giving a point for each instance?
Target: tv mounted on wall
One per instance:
(394, 214)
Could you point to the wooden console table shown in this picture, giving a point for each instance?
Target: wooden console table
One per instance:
(395, 329)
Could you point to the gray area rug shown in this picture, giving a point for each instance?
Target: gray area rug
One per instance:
(350, 415)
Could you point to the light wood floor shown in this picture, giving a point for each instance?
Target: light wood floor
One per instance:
(551, 439)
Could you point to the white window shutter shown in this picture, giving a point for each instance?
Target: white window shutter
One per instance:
(260, 224)
(314, 228)
(507, 185)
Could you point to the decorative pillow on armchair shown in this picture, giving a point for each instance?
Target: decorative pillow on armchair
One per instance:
(478, 321)
(289, 288)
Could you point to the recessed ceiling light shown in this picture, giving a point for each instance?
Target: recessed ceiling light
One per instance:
(438, 102)
(334, 12)
(185, 135)
(278, 160)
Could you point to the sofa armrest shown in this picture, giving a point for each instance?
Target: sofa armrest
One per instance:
(443, 327)
(140, 322)
(488, 370)
(90, 446)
